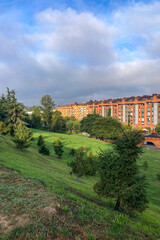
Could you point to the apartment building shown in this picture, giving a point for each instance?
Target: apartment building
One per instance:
(141, 111)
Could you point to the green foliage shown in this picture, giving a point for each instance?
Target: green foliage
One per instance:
(69, 125)
(90, 164)
(78, 164)
(57, 121)
(76, 126)
(157, 129)
(158, 176)
(36, 117)
(72, 152)
(3, 109)
(22, 136)
(3, 128)
(128, 127)
(44, 150)
(48, 105)
(107, 127)
(40, 141)
(119, 174)
(87, 123)
(149, 129)
(58, 148)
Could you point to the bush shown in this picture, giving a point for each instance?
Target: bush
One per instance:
(40, 141)
(72, 152)
(44, 150)
(58, 148)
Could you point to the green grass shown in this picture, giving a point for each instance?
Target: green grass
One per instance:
(79, 200)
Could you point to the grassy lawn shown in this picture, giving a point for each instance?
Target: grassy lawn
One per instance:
(80, 205)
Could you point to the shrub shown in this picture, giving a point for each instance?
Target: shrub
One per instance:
(44, 150)
(40, 141)
(72, 152)
(58, 148)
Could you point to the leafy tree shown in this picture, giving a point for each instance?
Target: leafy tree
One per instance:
(78, 165)
(87, 123)
(107, 127)
(109, 113)
(44, 150)
(119, 174)
(76, 126)
(58, 148)
(48, 105)
(157, 130)
(57, 121)
(22, 136)
(36, 117)
(72, 152)
(40, 141)
(69, 125)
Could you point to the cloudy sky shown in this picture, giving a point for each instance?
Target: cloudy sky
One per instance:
(77, 50)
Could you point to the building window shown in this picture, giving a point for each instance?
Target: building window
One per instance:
(148, 115)
(142, 115)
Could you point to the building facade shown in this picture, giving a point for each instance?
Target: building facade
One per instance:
(139, 111)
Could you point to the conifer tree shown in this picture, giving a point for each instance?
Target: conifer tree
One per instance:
(44, 149)
(40, 141)
(119, 174)
(72, 152)
(58, 148)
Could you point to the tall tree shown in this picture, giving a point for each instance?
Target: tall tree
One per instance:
(107, 127)
(87, 123)
(119, 174)
(3, 109)
(36, 117)
(48, 105)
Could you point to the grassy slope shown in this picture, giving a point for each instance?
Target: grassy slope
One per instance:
(54, 173)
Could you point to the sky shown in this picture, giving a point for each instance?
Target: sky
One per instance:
(78, 50)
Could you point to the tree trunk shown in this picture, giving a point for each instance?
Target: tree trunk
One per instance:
(117, 204)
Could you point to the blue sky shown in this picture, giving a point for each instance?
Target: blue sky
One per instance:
(79, 50)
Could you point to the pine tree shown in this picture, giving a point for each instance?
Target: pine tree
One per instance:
(44, 149)
(119, 174)
(22, 135)
(58, 148)
(40, 141)
(78, 165)
(72, 152)
(48, 105)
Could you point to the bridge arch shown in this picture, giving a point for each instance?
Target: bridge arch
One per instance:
(153, 140)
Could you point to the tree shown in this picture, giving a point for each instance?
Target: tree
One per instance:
(3, 109)
(87, 123)
(48, 105)
(15, 110)
(72, 152)
(76, 126)
(157, 130)
(57, 121)
(90, 164)
(3, 128)
(36, 117)
(58, 148)
(69, 125)
(40, 141)
(44, 150)
(78, 165)
(22, 136)
(107, 127)
(119, 174)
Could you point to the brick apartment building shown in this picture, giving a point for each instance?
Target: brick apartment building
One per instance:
(141, 111)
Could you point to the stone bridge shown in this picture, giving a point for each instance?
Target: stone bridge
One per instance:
(153, 138)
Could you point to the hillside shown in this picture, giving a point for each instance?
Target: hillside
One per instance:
(74, 211)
